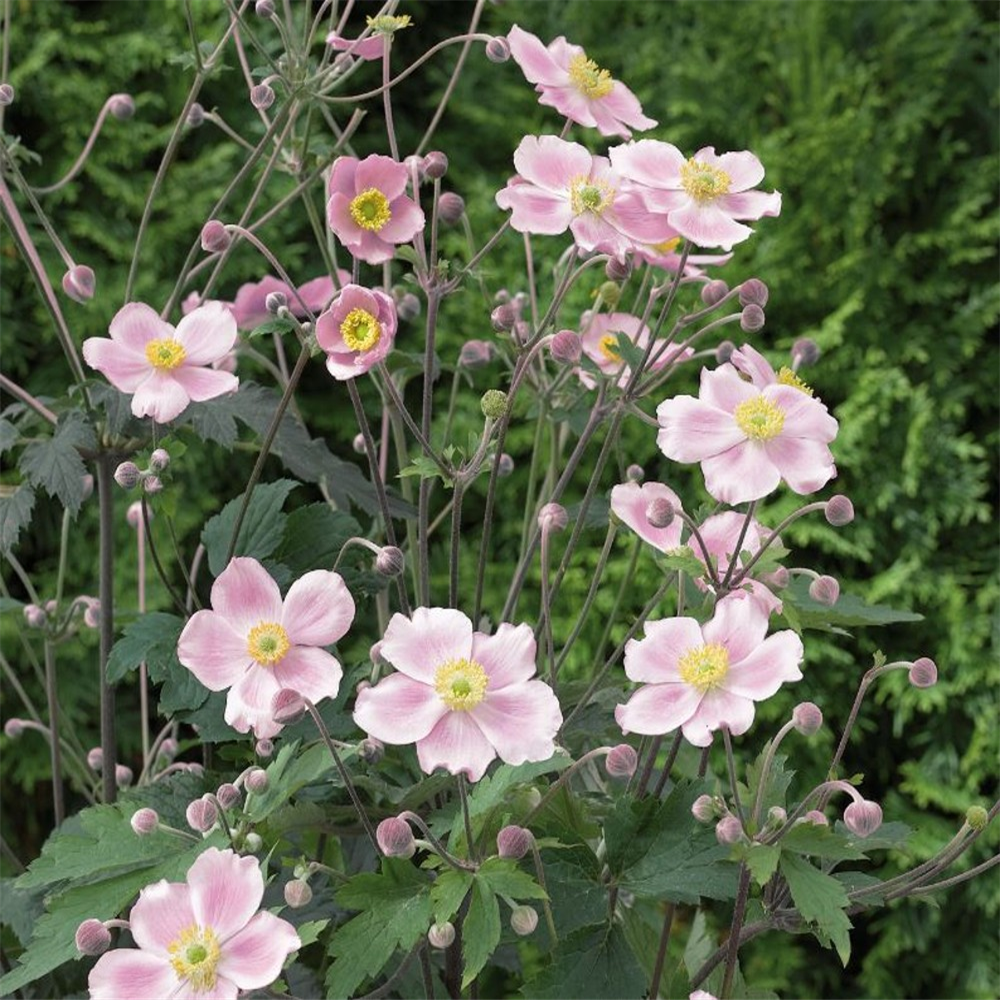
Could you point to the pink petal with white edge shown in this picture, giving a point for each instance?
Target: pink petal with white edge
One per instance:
(248, 704)
(592, 231)
(775, 661)
(751, 362)
(719, 708)
(551, 162)
(805, 416)
(570, 103)
(534, 210)
(125, 369)
(740, 626)
(246, 595)
(399, 710)
(724, 389)
(649, 161)
(213, 651)
(630, 501)
(226, 890)
(224, 989)
(313, 672)
(382, 173)
(254, 956)
(743, 473)
(131, 974)
(708, 226)
(534, 58)
(162, 911)
(806, 466)
(625, 106)
(751, 204)
(508, 656)
(161, 397)
(744, 169)
(205, 383)
(654, 658)
(520, 721)
(136, 324)
(407, 220)
(634, 219)
(656, 709)
(692, 430)
(318, 609)
(368, 49)
(417, 646)
(207, 333)
(458, 745)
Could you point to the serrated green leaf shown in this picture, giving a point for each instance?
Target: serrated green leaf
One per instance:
(506, 879)
(55, 464)
(8, 435)
(778, 781)
(314, 536)
(290, 772)
(448, 892)
(850, 611)
(819, 841)
(425, 468)
(578, 896)
(480, 930)
(272, 326)
(15, 514)
(682, 560)
(762, 860)
(888, 836)
(151, 638)
(821, 900)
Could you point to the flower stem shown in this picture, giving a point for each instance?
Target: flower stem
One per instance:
(106, 595)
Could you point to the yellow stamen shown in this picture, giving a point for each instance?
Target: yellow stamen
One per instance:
(588, 195)
(361, 330)
(268, 643)
(194, 956)
(704, 667)
(165, 355)
(461, 684)
(589, 78)
(370, 210)
(704, 182)
(608, 345)
(667, 246)
(787, 377)
(759, 418)
(386, 24)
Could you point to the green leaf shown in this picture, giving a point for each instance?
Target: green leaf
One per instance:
(778, 781)
(683, 560)
(578, 897)
(425, 468)
(8, 435)
(261, 531)
(278, 326)
(820, 842)
(289, 773)
(888, 836)
(151, 638)
(448, 892)
(55, 464)
(850, 611)
(15, 514)
(116, 405)
(762, 860)
(506, 879)
(821, 900)
(480, 931)
(314, 536)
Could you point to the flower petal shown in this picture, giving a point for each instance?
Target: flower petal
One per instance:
(656, 709)
(161, 397)
(407, 220)
(535, 60)
(207, 333)
(224, 989)
(692, 430)
(382, 173)
(654, 658)
(253, 957)
(743, 473)
(751, 204)
(129, 973)
(226, 890)
(805, 465)
(719, 708)
(630, 501)
(767, 667)
(744, 169)
(246, 595)
(313, 672)
(213, 651)
(205, 383)
(417, 646)
(805, 416)
(457, 744)
(520, 721)
(649, 161)
(398, 710)
(318, 609)
(136, 324)
(535, 210)
(509, 655)
(119, 363)
(162, 911)
(738, 625)
(551, 162)
(724, 388)
(248, 705)
(708, 225)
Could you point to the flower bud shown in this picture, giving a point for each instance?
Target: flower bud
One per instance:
(257, 781)
(839, 511)
(610, 292)
(824, 590)
(522, 330)
(274, 301)
(752, 319)
(34, 616)
(817, 817)
(408, 307)
(395, 838)
(863, 818)
(92, 938)
(79, 283)
(505, 466)
(497, 50)
(123, 776)
(6, 95)
(451, 208)
(753, 292)
(287, 707)
(493, 404)
(159, 460)
(713, 292)
(618, 269)
(475, 354)
(264, 748)
(635, 473)
(169, 748)
(705, 808)
(435, 165)
(195, 769)
(805, 352)
(13, 728)
(566, 347)
(514, 842)
(729, 830)
(195, 116)
(92, 613)
(441, 936)
(201, 815)
(214, 237)
(88, 486)
(724, 351)
(371, 750)
(298, 893)
(923, 673)
(807, 718)
(358, 444)
(523, 920)
(252, 842)
(95, 759)
(261, 96)
(977, 817)
(145, 821)
(228, 795)
(134, 514)
(414, 165)
(776, 817)
(777, 579)
(661, 513)
(152, 485)
(552, 517)
(121, 106)
(622, 761)
(390, 562)
(51, 607)
(264, 8)
(503, 318)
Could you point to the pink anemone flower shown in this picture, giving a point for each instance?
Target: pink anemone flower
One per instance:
(633, 504)
(165, 367)
(576, 86)
(200, 939)
(705, 195)
(749, 439)
(600, 343)
(368, 209)
(255, 644)
(561, 185)
(758, 369)
(367, 49)
(463, 697)
(703, 677)
(357, 331)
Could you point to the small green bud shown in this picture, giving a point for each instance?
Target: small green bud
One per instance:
(610, 292)
(494, 404)
(977, 817)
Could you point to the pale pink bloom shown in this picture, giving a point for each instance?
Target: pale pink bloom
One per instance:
(203, 939)
(463, 697)
(703, 196)
(250, 305)
(367, 49)
(631, 502)
(600, 343)
(576, 86)
(703, 677)
(757, 368)
(165, 367)
(357, 331)
(255, 644)
(749, 439)
(368, 209)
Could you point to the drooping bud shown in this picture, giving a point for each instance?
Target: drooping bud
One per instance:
(92, 938)
(159, 459)
(79, 283)
(298, 893)
(451, 208)
(505, 466)
(264, 8)
(134, 514)
(34, 616)
(287, 707)
(228, 795)
(169, 748)
(88, 486)
(214, 237)
(13, 728)
(441, 936)
(414, 165)
(6, 95)
(863, 818)
(395, 838)
(390, 562)
(610, 292)
(493, 404)
(622, 761)
(552, 517)
(705, 808)
(261, 96)
(264, 748)
(635, 473)
(523, 920)
(514, 842)
(724, 351)
(816, 816)
(777, 579)
(274, 301)
(123, 774)
(752, 319)
(713, 292)
(824, 590)
(201, 815)
(503, 318)
(839, 511)
(497, 49)
(371, 750)
(807, 718)
(923, 673)
(152, 484)
(661, 513)
(753, 291)
(92, 617)
(805, 352)
(145, 821)
(475, 354)
(408, 307)
(95, 759)
(618, 269)
(121, 106)
(566, 347)
(977, 818)
(435, 165)
(195, 116)
(729, 830)
(257, 781)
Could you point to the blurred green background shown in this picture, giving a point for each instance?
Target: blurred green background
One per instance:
(877, 122)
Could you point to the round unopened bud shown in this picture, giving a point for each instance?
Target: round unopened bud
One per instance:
(503, 318)
(435, 165)
(159, 459)
(493, 404)
(134, 514)
(713, 292)
(724, 351)
(201, 815)
(566, 347)
(777, 579)
(169, 748)
(505, 466)
(514, 842)
(261, 96)
(863, 818)
(152, 484)
(661, 513)
(776, 817)
(523, 920)
(264, 8)
(92, 615)
(824, 590)
(395, 838)
(228, 795)
(923, 673)
(729, 830)
(264, 748)
(805, 352)
(52, 606)
(214, 237)
(34, 616)
(287, 707)
(298, 893)
(618, 269)
(145, 821)
(121, 106)
(88, 486)
(358, 444)
(13, 728)
(839, 511)
(123, 775)
(552, 517)
(441, 936)
(498, 49)
(371, 750)
(451, 208)
(390, 562)
(253, 842)
(752, 319)
(95, 759)
(257, 781)
(475, 354)
(753, 291)
(6, 95)
(817, 817)
(408, 307)
(274, 301)
(807, 718)
(705, 808)
(195, 116)
(414, 165)
(635, 473)
(92, 938)
(977, 817)
(610, 292)
(622, 761)
(79, 283)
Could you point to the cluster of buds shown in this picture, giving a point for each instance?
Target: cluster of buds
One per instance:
(128, 475)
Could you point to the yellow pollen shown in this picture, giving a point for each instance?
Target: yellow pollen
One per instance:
(194, 956)
(609, 347)
(386, 24)
(460, 684)
(704, 182)
(587, 195)
(361, 330)
(667, 246)
(589, 78)
(165, 355)
(704, 667)
(787, 377)
(268, 643)
(759, 418)
(370, 210)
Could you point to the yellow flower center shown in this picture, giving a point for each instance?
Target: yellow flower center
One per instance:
(704, 667)
(704, 182)
(268, 643)
(194, 956)
(361, 330)
(370, 210)
(460, 684)
(589, 78)
(667, 246)
(165, 355)
(609, 347)
(586, 195)
(386, 24)
(759, 418)
(787, 377)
